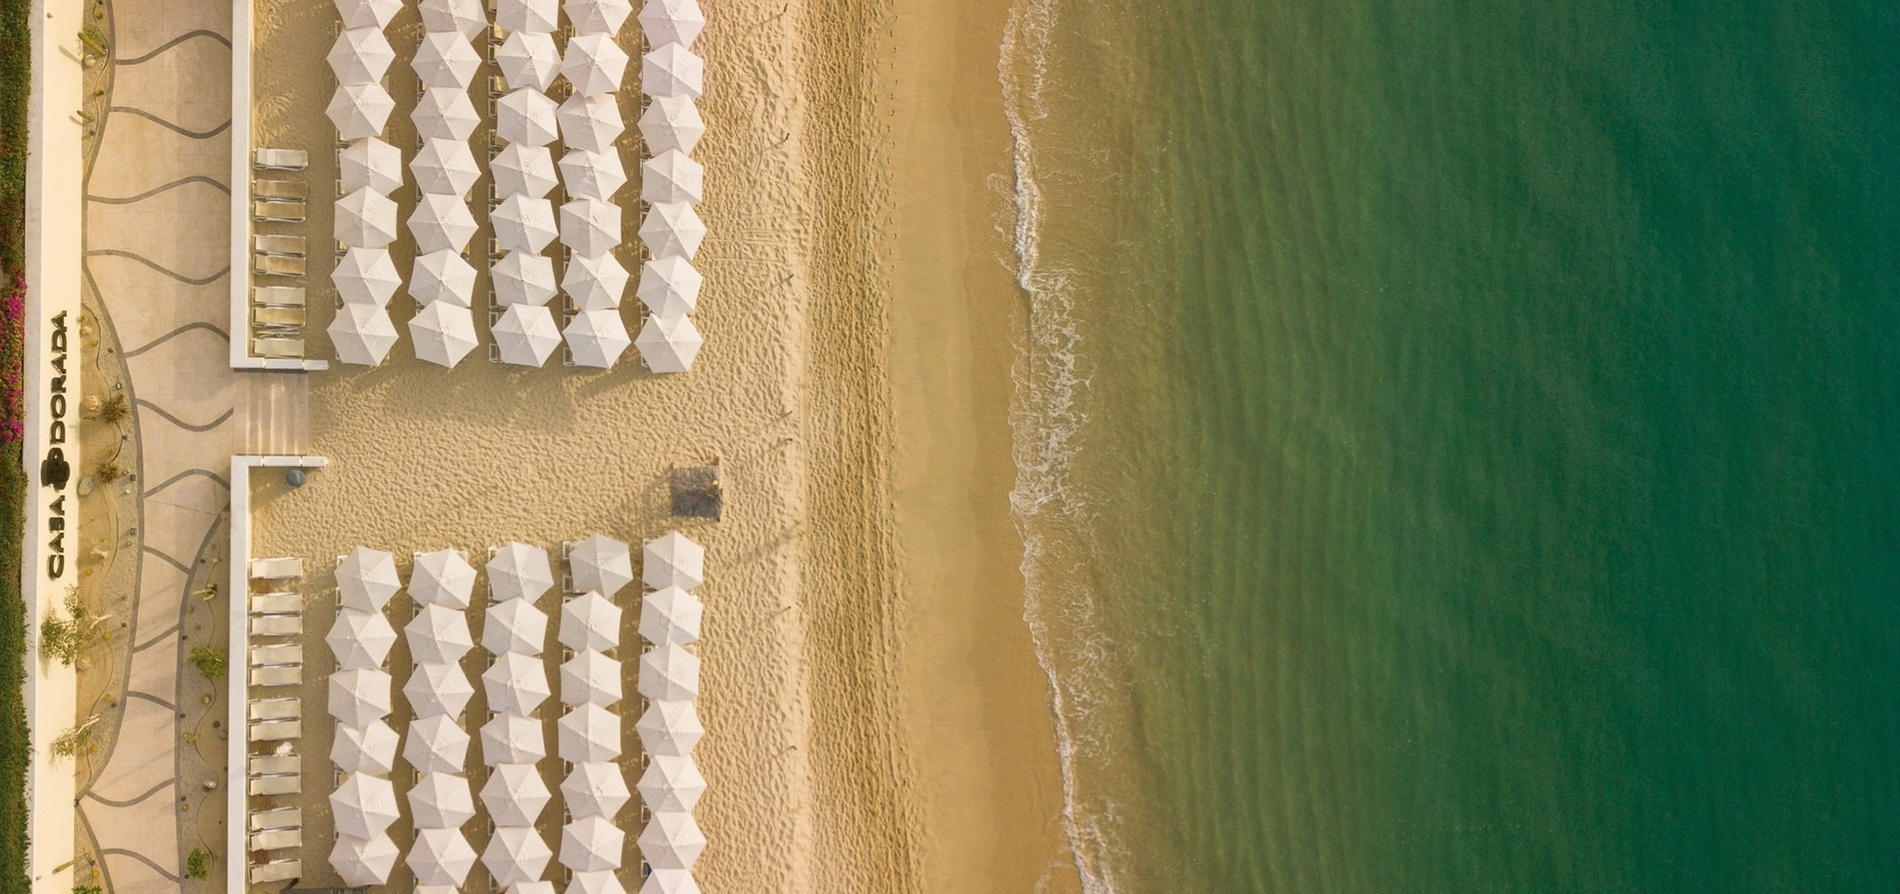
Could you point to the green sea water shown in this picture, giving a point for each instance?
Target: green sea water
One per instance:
(1459, 442)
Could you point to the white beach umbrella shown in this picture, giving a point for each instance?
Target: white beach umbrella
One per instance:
(441, 855)
(669, 672)
(364, 861)
(672, 176)
(672, 228)
(590, 677)
(598, 16)
(441, 801)
(597, 338)
(519, 571)
(669, 286)
(529, 59)
(593, 175)
(601, 881)
(672, 840)
(445, 167)
(360, 697)
(367, 13)
(591, 843)
(516, 684)
(438, 689)
(360, 640)
(595, 283)
(362, 334)
(443, 577)
(535, 16)
(590, 227)
(670, 728)
(441, 223)
(595, 788)
(528, 117)
(464, 17)
(524, 224)
(365, 749)
(673, 70)
(366, 276)
(438, 635)
(515, 795)
(360, 110)
(446, 61)
(671, 784)
(669, 344)
(590, 621)
(594, 63)
(360, 56)
(672, 21)
(587, 733)
(672, 123)
(672, 561)
(526, 335)
(523, 170)
(443, 333)
(442, 276)
(366, 579)
(445, 113)
(515, 625)
(365, 218)
(601, 564)
(516, 855)
(671, 615)
(370, 163)
(513, 739)
(590, 123)
(665, 881)
(436, 745)
(521, 277)
(364, 806)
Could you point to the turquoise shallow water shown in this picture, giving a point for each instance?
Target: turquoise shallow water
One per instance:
(1460, 442)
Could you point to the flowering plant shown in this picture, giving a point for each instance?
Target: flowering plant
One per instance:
(12, 359)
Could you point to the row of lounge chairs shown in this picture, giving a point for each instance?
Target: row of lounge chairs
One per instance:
(277, 312)
(276, 614)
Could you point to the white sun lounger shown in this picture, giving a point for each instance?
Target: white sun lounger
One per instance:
(262, 188)
(276, 569)
(279, 818)
(276, 625)
(277, 348)
(277, 265)
(276, 730)
(276, 871)
(281, 602)
(275, 764)
(281, 160)
(277, 211)
(276, 839)
(278, 296)
(278, 316)
(280, 653)
(278, 244)
(275, 784)
(275, 709)
(277, 675)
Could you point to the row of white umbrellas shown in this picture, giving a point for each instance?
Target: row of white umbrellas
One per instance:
(671, 182)
(442, 800)
(672, 785)
(445, 170)
(364, 805)
(370, 170)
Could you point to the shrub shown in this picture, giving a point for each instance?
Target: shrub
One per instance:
(113, 410)
(108, 472)
(198, 863)
(74, 740)
(210, 661)
(88, 889)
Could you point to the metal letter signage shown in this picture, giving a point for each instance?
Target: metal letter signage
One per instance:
(55, 471)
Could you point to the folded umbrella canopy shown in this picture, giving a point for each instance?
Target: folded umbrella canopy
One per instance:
(526, 335)
(445, 167)
(527, 117)
(367, 13)
(436, 745)
(360, 640)
(365, 219)
(360, 55)
(438, 689)
(515, 795)
(364, 861)
(464, 17)
(669, 286)
(443, 333)
(603, 881)
(523, 170)
(366, 749)
(514, 625)
(441, 856)
(512, 739)
(590, 227)
(523, 278)
(671, 615)
(590, 677)
(441, 223)
(524, 224)
(446, 60)
(669, 345)
(673, 70)
(595, 283)
(366, 276)
(587, 733)
(597, 338)
(671, 784)
(535, 16)
(672, 176)
(445, 113)
(593, 175)
(360, 110)
(672, 228)
(529, 59)
(669, 727)
(519, 571)
(370, 163)
(591, 843)
(442, 276)
(443, 577)
(441, 801)
(515, 684)
(362, 334)
(597, 16)
(673, 560)
(366, 579)
(671, 122)
(360, 697)
(672, 21)
(590, 621)
(594, 63)
(595, 788)
(662, 881)
(590, 123)
(364, 806)
(669, 672)
(671, 840)
(438, 635)
(516, 855)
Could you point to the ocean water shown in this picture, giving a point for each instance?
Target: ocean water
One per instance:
(1459, 442)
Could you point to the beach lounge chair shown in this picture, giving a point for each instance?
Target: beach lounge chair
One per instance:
(275, 709)
(278, 316)
(275, 764)
(276, 730)
(278, 245)
(277, 265)
(277, 348)
(281, 160)
(270, 211)
(278, 296)
(276, 625)
(279, 189)
(279, 603)
(278, 675)
(276, 568)
(278, 653)
(276, 839)
(276, 871)
(278, 818)
(276, 784)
